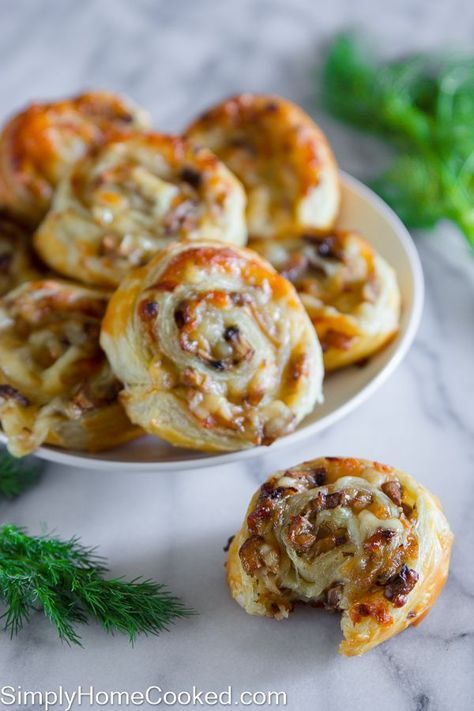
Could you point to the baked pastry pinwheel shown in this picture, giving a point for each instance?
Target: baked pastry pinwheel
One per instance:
(213, 347)
(17, 262)
(55, 383)
(349, 291)
(125, 202)
(282, 158)
(348, 535)
(38, 145)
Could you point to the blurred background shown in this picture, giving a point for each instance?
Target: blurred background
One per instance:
(178, 56)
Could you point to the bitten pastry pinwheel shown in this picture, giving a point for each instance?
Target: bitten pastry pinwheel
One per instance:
(282, 158)
(348, 535)
(213, 347)
(38, 145)
(55, 383)
(17, 262)
(125, 202)
(349, 291)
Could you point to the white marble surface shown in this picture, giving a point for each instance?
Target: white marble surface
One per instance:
(176, 57)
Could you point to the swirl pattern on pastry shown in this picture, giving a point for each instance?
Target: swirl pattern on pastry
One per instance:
(282, 158)
(17, 261)
(133, 197)
(55, 383)
(38, 145)
(349, 291)
(214, 348)
(348, 535)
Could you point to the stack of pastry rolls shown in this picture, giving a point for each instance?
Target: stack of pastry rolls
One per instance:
(194, 287)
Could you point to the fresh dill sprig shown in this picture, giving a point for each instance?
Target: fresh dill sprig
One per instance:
(424, 106)
(16, 475)
(66, 581)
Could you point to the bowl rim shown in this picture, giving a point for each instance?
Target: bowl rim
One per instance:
(88, 461)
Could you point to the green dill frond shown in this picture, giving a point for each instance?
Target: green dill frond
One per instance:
(17, 475)
(424, 106)
(66, 581)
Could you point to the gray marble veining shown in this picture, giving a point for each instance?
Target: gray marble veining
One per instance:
(175, 58)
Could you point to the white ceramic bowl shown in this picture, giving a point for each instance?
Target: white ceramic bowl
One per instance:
(343, 391)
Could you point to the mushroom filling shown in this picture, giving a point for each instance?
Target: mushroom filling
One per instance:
(333, 269)
(331, 544)
(136, 206)
(210, 333)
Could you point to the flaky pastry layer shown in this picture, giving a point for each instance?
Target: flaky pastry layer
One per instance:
(17, 261)
(282, 158)
(214, 348)
(39, 144)
(350, 292)
(122, 204)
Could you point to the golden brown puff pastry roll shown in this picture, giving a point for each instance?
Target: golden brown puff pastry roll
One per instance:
(349, 535)
(124, 203)
(349, 291)
(282, 158)
(55, 383)
(38, 145)
(214, 348)
(17, 261)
